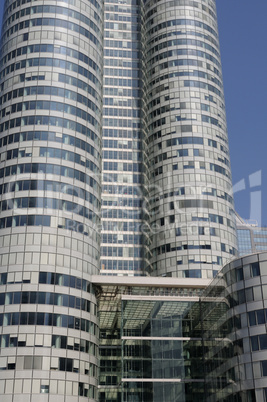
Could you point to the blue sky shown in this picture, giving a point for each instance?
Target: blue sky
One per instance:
(243, 35)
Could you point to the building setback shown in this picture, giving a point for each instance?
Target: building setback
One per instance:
(124, 174)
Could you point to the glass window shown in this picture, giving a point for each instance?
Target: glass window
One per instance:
(260, 316)
(32, 319)
(2, 299)
(72, 301)
(44, 389)
(71, 322)
(263, 341)
(23, 318)
(249, 294)
(40, 318)
(264, 368)
(15, 319)
(255, 269)
(42, 277)
(41, 298)
(252, 318)
(254, 343)
(239, 274)
(17, 298)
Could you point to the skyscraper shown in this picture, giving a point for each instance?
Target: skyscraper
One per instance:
(191, 200)
(166, 207)
(163, 97)
(51, 105)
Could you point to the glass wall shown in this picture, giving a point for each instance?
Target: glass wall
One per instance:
(150, 346)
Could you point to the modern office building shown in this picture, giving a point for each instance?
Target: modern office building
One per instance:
(181, 340)
(251, 237)
(191, 201)
(51, 106)
(140, 81)
(234, 317)
(151, 339)
(163, 100)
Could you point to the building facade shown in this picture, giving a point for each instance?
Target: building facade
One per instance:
(112, 124)
(185, 340)
(124, 185)
(234, 331)
(150, 339)
(251, 237)
(163, 101)
(51, 106)
(193, 231)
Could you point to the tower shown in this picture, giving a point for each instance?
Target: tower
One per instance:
(163, 98)
(193, 228)
(124, 242)
(166, 179)
(51, 105)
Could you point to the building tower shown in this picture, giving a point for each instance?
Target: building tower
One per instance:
(191, 207)
(163, 81)
(51, 100)
(124, 242)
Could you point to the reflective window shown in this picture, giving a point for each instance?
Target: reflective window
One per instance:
(48, 319)
(48, 168)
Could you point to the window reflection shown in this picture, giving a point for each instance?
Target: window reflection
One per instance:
(55, 299)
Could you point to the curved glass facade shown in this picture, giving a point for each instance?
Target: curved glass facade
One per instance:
(234, 324)
(51, 110)
(113, 123)
(191, 209)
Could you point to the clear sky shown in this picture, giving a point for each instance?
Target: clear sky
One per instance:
(243, 36)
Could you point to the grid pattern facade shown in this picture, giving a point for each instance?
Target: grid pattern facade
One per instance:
(163, 98)
(123, 195)
(251, 239)
(244, 241)
(151, 342)
(51, 100)
(234, 323)
(160, 171)
(188, 146)
(167, 341)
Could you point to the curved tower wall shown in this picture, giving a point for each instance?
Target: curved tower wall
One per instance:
(234, 318)
(192, 225)
(51, 99)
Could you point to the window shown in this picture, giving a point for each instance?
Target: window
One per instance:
(254, 343)
(44, 389)
(255, 269)
(239, 274)
(264, 368)
(171, 218)
(256, 317)
(263, 341)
